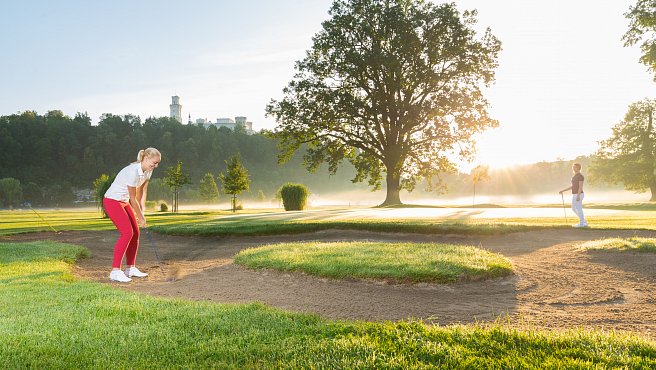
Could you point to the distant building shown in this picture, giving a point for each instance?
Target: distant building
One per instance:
(176, 108)
(176, 112)
(227, 122)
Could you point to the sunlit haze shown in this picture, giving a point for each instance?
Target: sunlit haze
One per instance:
(564, 78)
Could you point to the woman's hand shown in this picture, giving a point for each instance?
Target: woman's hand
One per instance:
(142, 221)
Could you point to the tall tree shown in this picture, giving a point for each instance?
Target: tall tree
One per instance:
(642, 29)
(208, 189)
(393, 86)
(479, 174)
(235, 180)
(175, 179)
(627, 157)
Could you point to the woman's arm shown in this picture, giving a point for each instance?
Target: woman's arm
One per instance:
(136, 206)
(142, 192)
(564, 190)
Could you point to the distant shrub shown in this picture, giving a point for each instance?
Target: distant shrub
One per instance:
(294, 196)
(151, 205)
(100, 187)
(239, 207)
(163, 207)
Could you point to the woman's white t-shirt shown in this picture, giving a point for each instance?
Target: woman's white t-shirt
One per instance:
(131, 175)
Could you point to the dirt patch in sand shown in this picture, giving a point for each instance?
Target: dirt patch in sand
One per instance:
(556, 285)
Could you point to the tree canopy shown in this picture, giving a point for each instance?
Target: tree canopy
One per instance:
(393, 86)
(627, 157)
(642, 30)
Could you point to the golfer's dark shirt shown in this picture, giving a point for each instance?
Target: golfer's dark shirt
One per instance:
(575, 183)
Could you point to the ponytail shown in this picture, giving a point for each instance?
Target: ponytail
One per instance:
(149, 152)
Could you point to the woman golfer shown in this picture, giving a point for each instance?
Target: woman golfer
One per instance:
(577, 194)
(125, 197)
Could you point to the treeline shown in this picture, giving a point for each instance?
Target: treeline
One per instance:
(54, 157)
(535, 178)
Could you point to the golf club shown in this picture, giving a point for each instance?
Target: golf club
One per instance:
(46, 222)
(159, 260)
(564, 210)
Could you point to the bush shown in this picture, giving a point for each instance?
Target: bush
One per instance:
(294, 196)
(100, 187)
(163, 207)
(151, 205)
(11, 192)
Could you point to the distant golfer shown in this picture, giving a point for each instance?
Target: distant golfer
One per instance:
(125, 197)
(577, 194)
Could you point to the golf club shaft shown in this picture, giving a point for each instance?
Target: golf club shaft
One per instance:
(564, 210)
(42, 219)
(154, 248)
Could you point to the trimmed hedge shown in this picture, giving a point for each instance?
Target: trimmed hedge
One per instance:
(294, 196)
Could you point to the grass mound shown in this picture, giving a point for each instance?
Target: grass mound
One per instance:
(399, 262)
(622, 244)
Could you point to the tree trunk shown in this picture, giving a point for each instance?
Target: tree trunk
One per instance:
(648, 151)
(393, 187)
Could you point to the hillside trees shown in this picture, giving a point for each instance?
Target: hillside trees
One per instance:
(42, 151)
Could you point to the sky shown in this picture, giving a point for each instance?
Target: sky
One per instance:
(564, 76)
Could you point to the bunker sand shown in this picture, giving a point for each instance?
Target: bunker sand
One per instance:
(556, 284)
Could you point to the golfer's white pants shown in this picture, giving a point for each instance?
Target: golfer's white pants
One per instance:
(577, 207)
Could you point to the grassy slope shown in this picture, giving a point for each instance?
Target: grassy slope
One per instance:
(50, 320)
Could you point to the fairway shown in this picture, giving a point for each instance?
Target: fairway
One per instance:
(556, 284)
(428, 213)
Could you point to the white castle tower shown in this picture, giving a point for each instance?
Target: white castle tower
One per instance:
(176, 108)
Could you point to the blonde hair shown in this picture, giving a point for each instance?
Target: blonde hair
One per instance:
(148, 152)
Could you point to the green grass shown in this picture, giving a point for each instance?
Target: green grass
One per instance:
(397, 262)
(17, 222)
(410, 225)
(622, 244)
(645, 206)
(472, 226)
(272, 222)
(50, 320)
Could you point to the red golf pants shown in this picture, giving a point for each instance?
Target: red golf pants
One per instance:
(122, 216)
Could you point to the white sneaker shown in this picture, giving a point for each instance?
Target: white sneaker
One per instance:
(578, 226)
(118, 275)
(134, 271)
